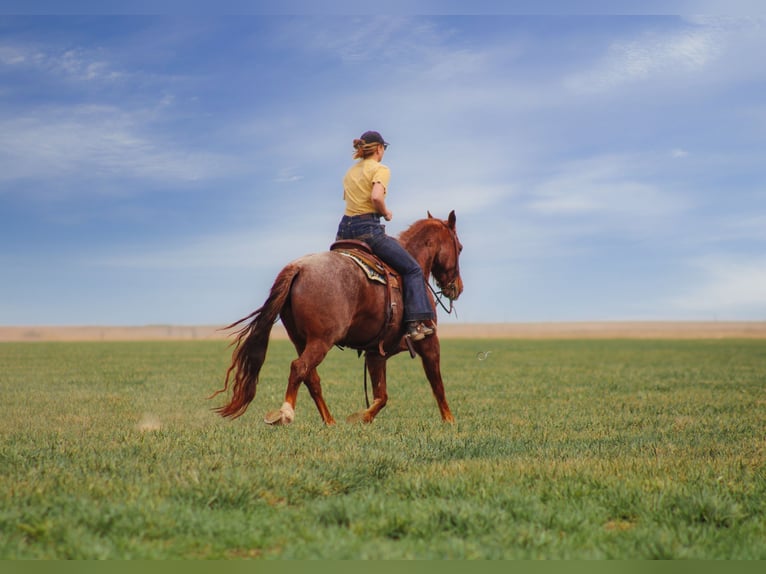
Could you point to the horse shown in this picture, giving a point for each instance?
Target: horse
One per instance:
(325, 300)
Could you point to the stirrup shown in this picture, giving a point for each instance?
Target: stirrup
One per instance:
(417, 331)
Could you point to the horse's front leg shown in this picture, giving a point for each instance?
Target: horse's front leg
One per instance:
(429, 350)
(376, 366)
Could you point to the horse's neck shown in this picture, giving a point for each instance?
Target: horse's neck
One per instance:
(423, 255)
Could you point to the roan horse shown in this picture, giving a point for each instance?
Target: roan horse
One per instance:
(325, 299)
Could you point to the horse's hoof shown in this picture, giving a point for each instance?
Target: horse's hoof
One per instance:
(273, 418)
(284, 416)
(356, 418)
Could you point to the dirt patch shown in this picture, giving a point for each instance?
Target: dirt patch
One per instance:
(584, 330)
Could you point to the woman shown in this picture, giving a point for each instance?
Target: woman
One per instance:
(364, 189)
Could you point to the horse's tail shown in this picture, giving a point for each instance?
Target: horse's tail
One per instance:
(251, 344)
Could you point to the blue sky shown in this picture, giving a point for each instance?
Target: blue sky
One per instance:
(162, 169)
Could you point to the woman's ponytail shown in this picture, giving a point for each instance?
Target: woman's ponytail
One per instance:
(364, 149)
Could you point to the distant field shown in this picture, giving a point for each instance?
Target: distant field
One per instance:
(447, 330)
(567, 448)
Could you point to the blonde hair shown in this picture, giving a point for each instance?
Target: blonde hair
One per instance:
(364, 149)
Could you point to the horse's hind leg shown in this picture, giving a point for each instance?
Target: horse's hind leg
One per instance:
(315, 390)
(303, 369)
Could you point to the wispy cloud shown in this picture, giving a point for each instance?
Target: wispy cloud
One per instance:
(651, 55)
(75, 64)
(92, 142)
(750, 228)
(365, 38)
(288, 175)
(728, 286)
(464, 198)
(11, 56)
(604, 186)
(235, 249)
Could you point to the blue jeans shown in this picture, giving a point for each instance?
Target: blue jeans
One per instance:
(367, 228)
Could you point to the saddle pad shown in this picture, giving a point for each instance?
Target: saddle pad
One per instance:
(372, 273)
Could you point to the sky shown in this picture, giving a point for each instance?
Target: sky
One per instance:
(162, 168)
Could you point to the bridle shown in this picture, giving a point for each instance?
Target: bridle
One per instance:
(451, 290)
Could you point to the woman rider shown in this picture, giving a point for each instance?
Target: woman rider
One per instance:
(364, 189)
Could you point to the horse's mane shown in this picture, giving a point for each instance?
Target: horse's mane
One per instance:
(417, 232)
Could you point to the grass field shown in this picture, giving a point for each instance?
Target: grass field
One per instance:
(562, 449)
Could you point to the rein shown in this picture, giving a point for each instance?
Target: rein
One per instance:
(366, 396)
(438, 297)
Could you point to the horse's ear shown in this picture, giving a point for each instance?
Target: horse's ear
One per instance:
(429, 214)
(452, 219)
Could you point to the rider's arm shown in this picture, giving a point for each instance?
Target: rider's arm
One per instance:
(379, 200)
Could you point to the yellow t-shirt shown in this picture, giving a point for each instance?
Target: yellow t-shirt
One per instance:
(357, 185)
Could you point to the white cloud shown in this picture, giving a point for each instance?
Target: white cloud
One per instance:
(96, 142)
(653, 54)
(75, 64)
(603, 185)
(288, 175)
(244, 249)
(727, 286)
(464, 199)
(13, 56)
(746, 228)
(749, 226)
(364, 38)
(79, 65)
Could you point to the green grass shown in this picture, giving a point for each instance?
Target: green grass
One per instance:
(562, 449)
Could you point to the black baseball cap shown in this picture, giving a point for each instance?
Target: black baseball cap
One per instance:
(373, 137)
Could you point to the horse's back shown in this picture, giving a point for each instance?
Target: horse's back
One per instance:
(331, 295)
(329, 278)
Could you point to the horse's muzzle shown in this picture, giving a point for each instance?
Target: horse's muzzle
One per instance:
(453, 290)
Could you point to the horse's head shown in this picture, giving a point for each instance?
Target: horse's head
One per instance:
(446, 261)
